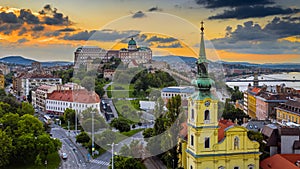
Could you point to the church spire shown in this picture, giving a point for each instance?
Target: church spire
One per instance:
(202, 54)
(203, 82)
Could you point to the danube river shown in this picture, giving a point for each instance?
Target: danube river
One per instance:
(289, 76)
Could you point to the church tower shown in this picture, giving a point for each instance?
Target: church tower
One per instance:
(202, 111)
(210, 143)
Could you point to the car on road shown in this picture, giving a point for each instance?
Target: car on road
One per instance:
(64, 156)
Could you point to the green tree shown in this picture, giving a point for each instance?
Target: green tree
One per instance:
(30, 124)
(6, 149)
(25, 147)
(121, 162)
(230, 112)
(10, 123)
(99, 90)
(88, 82)
(99, 123)
(69, 115)
(83, 138)
(121, 124)
(148, 132)
(45, 146)
(26, 108)
(257, 136)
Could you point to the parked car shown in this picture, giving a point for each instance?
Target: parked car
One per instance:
(64, 156)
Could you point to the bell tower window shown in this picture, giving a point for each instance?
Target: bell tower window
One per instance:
(206, 115)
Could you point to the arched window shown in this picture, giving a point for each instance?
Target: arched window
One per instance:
(250, 166)
(206, 115)
(221, 167)
(193, 114)
(236, 142)
(191, 167)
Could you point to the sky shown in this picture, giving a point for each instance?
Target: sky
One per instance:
(257, 31)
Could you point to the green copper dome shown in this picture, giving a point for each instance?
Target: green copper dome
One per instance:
(132, 42)
(203, 84)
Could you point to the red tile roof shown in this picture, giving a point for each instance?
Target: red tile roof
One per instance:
(223, 124)
(256, 90)
(280, 161)
(80, 96)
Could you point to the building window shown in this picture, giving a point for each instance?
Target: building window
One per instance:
(193, 114)
(206, 115)
(236, 168)
(221, 167)
(206, 142)
(191, 167)
(236, 142)
(192, 140)
(250, 166)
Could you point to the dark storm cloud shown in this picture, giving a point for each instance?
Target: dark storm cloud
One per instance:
(38, 28)
(52, 17)
(27, 16)
(253, 12)
(103, 35)
(232, 3)
(52, 34)
(67, 30)
(253, 38)
(7, 28)
(153, 9)
(22, 31)
(8, 17)
(139, 14)
(161, 39)
(23, 40)
(173, 45)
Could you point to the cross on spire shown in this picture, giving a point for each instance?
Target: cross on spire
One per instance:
(202, 28)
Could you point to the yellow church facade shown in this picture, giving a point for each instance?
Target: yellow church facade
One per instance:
(210, 143)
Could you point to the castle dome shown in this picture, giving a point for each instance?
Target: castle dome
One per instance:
(132, 42)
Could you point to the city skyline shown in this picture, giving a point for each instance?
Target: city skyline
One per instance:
(260, 31)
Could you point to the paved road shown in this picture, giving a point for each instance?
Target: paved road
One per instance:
(75, 159)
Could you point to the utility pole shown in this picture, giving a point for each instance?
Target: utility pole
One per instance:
(93, 137)
(68, 127)
(75, 122)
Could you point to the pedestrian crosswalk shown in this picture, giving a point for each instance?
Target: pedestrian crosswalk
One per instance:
(105, 163)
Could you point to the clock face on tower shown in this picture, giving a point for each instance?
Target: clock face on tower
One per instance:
(207, 103)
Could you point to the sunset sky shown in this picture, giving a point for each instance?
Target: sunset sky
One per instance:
(257, 31)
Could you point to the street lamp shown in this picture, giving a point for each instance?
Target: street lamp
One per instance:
(112, 154)
(93, 136)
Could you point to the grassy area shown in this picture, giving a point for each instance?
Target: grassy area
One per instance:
(120, 91)
(132, 132)
(53, 163)
(127, 110)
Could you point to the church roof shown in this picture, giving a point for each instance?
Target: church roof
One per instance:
(223, 124)
(280, 161)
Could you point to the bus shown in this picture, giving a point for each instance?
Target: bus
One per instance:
(47, 119)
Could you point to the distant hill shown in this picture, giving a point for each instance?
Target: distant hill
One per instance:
(192, 60)
(19, 60)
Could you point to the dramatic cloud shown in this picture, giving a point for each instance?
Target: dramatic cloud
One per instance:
(103, 35)
(172, 45)
(253, 12)
(232, 3)
(23, 40)
(253, 38)
(8, 17)
(7, 28)
(67, 30)
(38, 28)
(52, 17)
(139, 14)
(153, 9)
(161, 39)
(27, 16)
